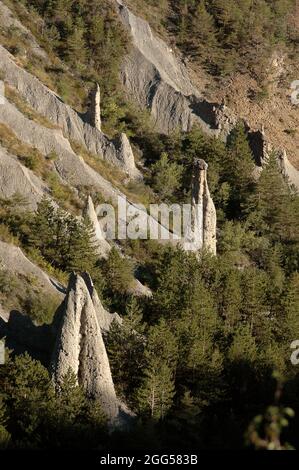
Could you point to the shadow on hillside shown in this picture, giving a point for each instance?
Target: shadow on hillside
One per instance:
(23, 335)
(204, 110)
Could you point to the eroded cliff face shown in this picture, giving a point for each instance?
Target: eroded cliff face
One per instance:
(16, 179)
(159, 81)
(70, 167)
(103, 247)
(14, 261)
(74, 128)
(200, 233)
(80, 347)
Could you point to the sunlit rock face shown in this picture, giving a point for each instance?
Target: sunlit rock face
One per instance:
(200, 230)
(80, 347)
(157, 79)
(102, 246)
(94, 112)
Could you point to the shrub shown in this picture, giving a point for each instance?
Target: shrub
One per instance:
(40, 308)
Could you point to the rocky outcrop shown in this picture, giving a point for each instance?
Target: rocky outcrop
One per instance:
(140, 290)
(80, 347)
(288, 170)
(126, 156)
(71, 168)
(225, 120)
(103, 250)
(158, 80)
(48, 104)
(16, 179)
(103, 247)
(200, 230)
(94, 112)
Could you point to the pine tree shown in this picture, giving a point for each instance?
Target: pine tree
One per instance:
(82, 247)
(239, 170)
(133, 320)
(4, 434)
(65, 242)
(206, 379)
(75, 44)
(176, 273)
(289, 319)
(203, 39)
(166, 177)
(157, 389)
(255, 310)
(196, 329)
(73, 420)
(274, 209)
(155, 395)
(231, 301)
(243, 347)
(166, 349)
(41, 232)
(125, 344)
(28, 392)
(70, 399)
(118, 272)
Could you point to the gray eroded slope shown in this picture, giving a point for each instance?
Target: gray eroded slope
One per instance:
(17, 179)
(159, 80)
(48, 104)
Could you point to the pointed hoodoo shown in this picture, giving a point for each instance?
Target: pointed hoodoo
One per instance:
(200, 231)
(95, 107)
(126, 157)
(103, 247)
(80, 347)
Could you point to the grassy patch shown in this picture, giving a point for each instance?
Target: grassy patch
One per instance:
(136, 192)
(35, 256)
(15, 41)
(62, 193)
(22, 293)
(29, 156)
(40, 308)
(291, 132)
(50, 71)
(6, 235)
